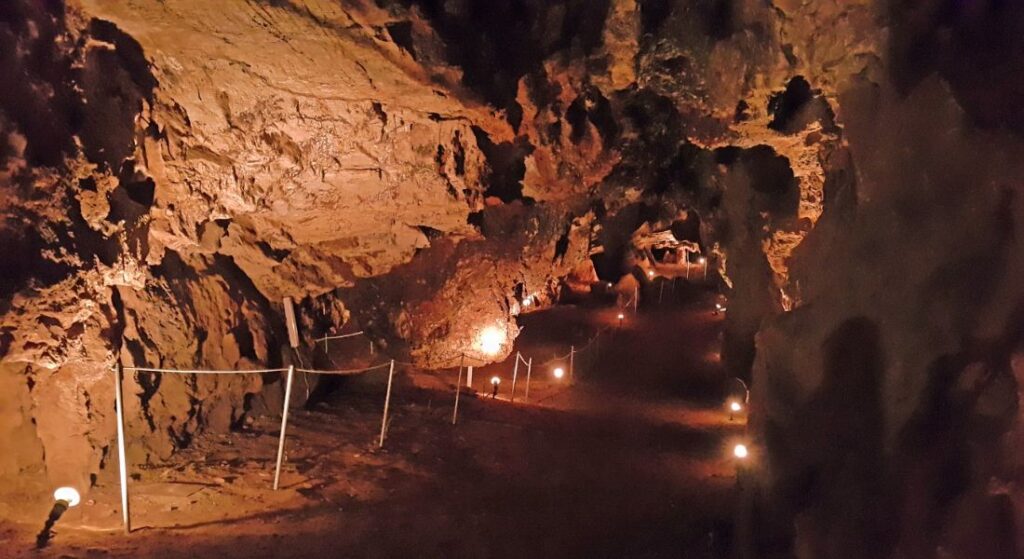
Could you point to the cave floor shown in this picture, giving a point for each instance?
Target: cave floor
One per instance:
(630, 461)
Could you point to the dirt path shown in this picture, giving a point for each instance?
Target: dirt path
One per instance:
(618, 465)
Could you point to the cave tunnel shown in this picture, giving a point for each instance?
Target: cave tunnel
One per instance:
(512, 278)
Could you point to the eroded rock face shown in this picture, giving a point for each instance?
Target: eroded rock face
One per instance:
(172, 170)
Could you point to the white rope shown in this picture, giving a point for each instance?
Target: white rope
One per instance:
(344, 371)
(203, 371)
(341, 337)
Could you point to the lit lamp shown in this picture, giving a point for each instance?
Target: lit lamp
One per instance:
(526, 303)
(495, 381)
(650, 273)
(734, 408)
(704, 262)
(621, 317)
(63, 499)
(491, 340)
(740, 451)
(558, 372)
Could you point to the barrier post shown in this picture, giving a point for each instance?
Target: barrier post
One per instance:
(387, 402)
(529, 370)
(123, 465)
(284, 424)
(458, 389)
(572, 359)
(515, 374)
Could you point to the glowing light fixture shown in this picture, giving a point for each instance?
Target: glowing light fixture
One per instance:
(650, 273)
(558, 372)
(621, 316)
(495, 381)
(740, 451)
(68, 495)
(491, 340)
(63, 499)
(702, 260)
(526, 302)
(735, 406)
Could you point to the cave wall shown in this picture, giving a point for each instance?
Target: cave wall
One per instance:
(171, 170)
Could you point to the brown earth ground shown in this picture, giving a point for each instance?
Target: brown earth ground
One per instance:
(630, 460)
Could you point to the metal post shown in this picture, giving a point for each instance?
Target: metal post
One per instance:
(529, 371)
(636, 297)
(572, 358)
(469, 377)
(387, 402)
(284, 424)
(515, 374)
(123, 466)
(458, 390)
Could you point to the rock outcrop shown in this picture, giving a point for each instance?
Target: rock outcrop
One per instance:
(172, 170)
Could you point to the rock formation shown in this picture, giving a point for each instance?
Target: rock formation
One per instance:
(171, 170)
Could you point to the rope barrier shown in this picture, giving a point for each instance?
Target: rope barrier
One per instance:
(204, 371)
(339, 337)
(345, 371)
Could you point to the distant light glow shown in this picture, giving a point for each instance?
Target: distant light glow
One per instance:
(559, 372)
(621, 316)
(495, 380)
(526, 302)
(702, 260)
(650, 273)
(491, 340)
(735, 406)
(740, 451)
(67, 494)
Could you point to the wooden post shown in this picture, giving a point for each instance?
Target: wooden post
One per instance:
(515, 374)
(529, 371)
(123, 466)
(458, 389)
(636, 297)
(387, 402)
(572, 358)
(469, 377)
(284, 424)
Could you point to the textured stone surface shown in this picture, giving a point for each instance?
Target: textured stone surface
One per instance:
(171, 170)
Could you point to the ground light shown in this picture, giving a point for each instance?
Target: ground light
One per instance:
(63, 499)
(495, 381)
(734, 408)
(558, 372)
(621, 317)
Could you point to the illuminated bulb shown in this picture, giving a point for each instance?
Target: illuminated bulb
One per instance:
(495, 380)
(491, 339)
(621, 316)
(559, 372)
(740, 451)
(702, 260)
(735, 406)
(68, 495)
(526, 302)
(650, 273)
